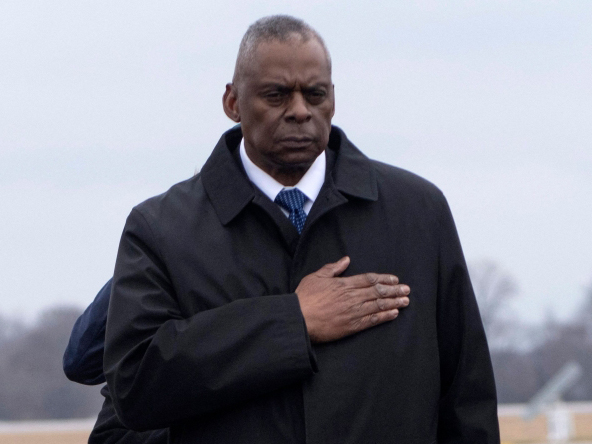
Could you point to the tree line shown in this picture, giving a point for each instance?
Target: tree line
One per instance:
(33, 385)
(32, 382)
(525, 357)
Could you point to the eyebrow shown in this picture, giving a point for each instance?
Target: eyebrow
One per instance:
(284, 87)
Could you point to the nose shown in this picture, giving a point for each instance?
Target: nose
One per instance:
(298, 110)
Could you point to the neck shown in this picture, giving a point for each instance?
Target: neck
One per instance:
(288, 177)
(286, 174)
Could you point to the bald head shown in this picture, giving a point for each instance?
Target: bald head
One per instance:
(282, 28)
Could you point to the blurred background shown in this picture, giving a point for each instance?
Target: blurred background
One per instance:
(104, 104)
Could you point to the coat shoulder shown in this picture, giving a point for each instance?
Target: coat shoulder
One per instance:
(181, 195)
(406, 185)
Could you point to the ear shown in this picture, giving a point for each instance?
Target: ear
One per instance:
(230, 103)
(333, 98)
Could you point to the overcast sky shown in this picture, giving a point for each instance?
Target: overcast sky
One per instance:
(106, 103)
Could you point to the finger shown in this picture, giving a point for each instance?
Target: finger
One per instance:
(391, 291)
(375, 319)
(370, 279)
(335, 268)
(378, 291)
(383, 304)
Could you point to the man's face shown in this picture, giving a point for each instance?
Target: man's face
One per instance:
(284, 101)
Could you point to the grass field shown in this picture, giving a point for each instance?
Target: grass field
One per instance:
(46, 432)
(78, 437)
(514, 429)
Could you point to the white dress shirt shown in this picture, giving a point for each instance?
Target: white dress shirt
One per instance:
(310, 184)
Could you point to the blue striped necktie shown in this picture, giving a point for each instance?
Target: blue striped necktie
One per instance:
(293, 200)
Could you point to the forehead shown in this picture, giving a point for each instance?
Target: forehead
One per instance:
(294, 60)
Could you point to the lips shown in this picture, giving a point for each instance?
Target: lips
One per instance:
(297, 141)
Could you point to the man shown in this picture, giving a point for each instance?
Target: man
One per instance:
(256, 302)
(83, 363)
(83, 358)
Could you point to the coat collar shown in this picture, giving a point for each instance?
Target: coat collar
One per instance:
(353, 172)
(229, 189)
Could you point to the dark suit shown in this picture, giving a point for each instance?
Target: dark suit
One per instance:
(205, 334)
(83, 358)
(83, 363)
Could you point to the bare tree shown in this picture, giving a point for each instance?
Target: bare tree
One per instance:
(520, 371)
(494, 290)
(32, 383)
(585, 313)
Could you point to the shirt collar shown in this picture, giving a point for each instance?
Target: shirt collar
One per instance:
(310, 184)
(230, 190)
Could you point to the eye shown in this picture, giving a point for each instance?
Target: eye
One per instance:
(316, 96)
(274, 97)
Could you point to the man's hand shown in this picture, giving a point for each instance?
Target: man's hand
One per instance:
(335, 307)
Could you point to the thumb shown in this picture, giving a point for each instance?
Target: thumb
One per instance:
(336, 268)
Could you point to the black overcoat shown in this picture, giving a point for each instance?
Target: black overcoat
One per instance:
(205, 334)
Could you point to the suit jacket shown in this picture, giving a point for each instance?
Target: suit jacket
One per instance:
(83, 363)
(83, 358)
(205, 334)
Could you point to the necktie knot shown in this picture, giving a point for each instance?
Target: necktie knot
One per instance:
(293, 201)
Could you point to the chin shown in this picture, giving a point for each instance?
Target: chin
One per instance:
(299, 160)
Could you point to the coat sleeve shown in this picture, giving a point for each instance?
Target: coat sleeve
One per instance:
(83, 358)
(162, 368)
(109, 430)
(468, 405)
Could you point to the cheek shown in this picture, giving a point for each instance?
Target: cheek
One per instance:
(325, 111)
(323, 123)
(269, 123)
(323, 118)
(263, 129)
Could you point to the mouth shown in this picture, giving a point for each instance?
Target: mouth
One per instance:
(297, 141)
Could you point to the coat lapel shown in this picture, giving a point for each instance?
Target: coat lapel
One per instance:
(349, 175)
(224, 179)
